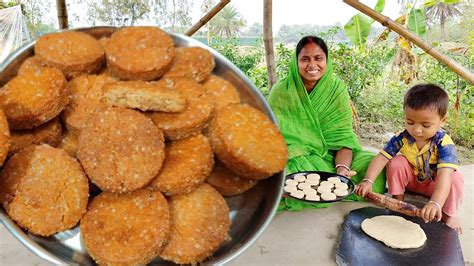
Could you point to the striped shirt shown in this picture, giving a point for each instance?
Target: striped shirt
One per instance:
(438, 153)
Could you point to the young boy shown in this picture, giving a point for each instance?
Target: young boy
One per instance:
(428, 161)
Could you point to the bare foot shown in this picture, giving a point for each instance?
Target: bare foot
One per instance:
(452, 222)
(399, 197)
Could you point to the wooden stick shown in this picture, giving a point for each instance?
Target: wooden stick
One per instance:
(207, 17)
(428, 48)
(62, 14)
(394, 204)
(268, 42)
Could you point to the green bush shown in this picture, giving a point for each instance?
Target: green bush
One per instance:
(378, 97)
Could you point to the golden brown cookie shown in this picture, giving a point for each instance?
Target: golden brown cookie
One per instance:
(104, 41)
(221, 91)
(194, 118)
(69, 143)
(247, 142)
(44, 190)
(126, 229)
(199, 223)
(191, 62)
(86, 93)
(32, 64)
(121, 150)
(48, 133)
(187, 164)
(227, 182)
(32, 99)
(5, 141)
(146, 96)
(73, 52)
(139, 53)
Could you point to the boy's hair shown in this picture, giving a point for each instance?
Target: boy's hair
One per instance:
(427, 96)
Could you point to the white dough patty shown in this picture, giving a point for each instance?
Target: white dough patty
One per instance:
(394, 231)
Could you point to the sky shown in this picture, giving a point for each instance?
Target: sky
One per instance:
(316, 12)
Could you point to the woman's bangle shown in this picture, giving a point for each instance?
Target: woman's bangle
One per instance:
(368, 180)
(435, 203)
(344, 166)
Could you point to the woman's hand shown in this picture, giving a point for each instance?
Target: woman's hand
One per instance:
(363, 188)
(345, 172)
(431, 211)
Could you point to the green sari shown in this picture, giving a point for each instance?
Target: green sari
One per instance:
(315, 126)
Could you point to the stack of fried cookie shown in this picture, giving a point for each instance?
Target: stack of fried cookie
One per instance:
(149, 125)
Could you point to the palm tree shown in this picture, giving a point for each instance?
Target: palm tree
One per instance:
(442, 10)
(228, 22)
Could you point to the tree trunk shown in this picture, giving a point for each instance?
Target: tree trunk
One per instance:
(62, 14)
(442, 20)
(268, 41)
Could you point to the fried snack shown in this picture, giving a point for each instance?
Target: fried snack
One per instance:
(73, 52)
(32, 99)
(48, 133)
(199, 223)
(44, 190)
(228, 183)
(121, 150)
(194, 118)
(86, 93)
(146, 96)
(126, 229)
(4, 137)
(221, 91)
(247, 142)
(31, 64)
(69, 143)
(187, 164)
(191, 62)
(140, 53)
(104, 41)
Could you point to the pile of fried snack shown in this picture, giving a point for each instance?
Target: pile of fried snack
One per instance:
(148, 124)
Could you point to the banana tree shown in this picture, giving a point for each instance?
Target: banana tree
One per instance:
(357, 29)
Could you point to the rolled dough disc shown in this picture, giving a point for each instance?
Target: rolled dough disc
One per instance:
(394, 231)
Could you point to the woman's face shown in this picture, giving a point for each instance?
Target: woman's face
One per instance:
(311, 63)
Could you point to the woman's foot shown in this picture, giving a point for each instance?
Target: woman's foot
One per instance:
(452, 222)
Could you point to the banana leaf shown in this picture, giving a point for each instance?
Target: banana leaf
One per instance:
(417, 22)
(357, 29)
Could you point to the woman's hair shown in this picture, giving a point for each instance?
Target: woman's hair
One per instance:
(311, 39)
(427, 96)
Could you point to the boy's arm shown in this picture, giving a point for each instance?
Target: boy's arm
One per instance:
(433, 209)
(375, 167)
(447, 163)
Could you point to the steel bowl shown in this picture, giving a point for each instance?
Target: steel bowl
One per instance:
(250, 212)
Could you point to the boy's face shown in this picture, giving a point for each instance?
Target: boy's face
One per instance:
(423, 124)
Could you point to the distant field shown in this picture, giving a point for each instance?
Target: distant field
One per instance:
(244, 41)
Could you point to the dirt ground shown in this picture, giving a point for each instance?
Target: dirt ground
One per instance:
(376, 136)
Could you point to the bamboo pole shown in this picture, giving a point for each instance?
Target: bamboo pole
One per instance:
(62, 14)
(268, 42)
(207, 17)
(428, 48)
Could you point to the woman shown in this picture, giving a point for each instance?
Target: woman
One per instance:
(313, 111)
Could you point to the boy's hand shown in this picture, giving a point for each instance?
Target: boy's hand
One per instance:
(431, 211)
(363, 188)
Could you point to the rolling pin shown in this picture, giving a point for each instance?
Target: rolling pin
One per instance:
(394, 204)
